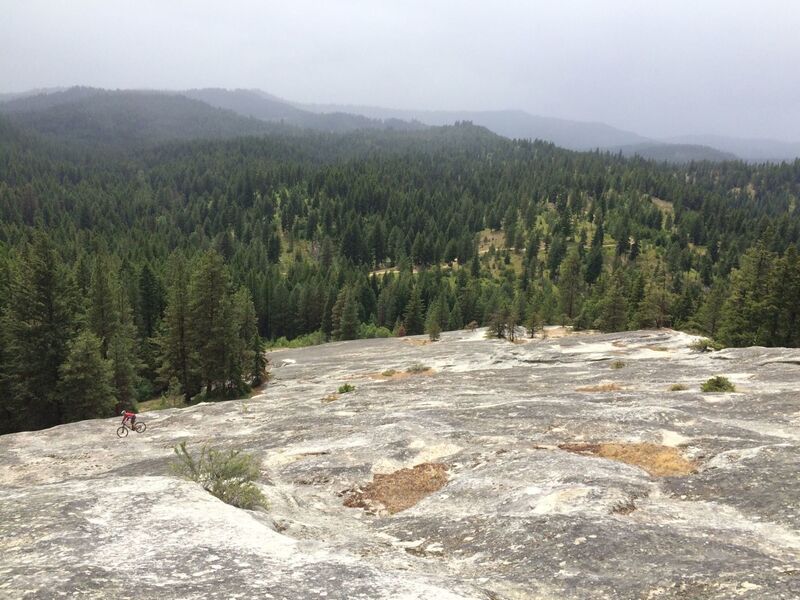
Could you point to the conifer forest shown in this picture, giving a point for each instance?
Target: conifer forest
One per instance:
(130, 271)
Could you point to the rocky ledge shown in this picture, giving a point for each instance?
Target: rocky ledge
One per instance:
(570, 467)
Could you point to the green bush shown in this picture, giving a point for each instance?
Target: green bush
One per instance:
(617, 364)
(315, 338)
(343, 389)
(370, 330)
(417, 368)
(677, 387)
(228, 475)
(718, 384)
(389, 372)
(705, 345)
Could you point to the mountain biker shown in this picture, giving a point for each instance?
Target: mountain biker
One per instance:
(128, 416)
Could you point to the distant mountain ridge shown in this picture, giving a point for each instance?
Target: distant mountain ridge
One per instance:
(92, 115)
(753, 149)
(586, 135)
(574, 135)
(102, 118)
(264, 106)
(675, 153)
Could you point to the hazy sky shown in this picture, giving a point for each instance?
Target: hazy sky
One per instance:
(660, 68)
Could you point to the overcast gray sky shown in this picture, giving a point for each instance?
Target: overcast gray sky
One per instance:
(659, 68)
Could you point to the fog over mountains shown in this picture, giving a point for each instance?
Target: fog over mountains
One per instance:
(96, 116)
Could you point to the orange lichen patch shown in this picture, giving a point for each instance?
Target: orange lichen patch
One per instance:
(659, 461)
(600, 387)
(392, 375)
(330, 398)
(417, 342)
(554, 332)
(399, 490)
(657, 348)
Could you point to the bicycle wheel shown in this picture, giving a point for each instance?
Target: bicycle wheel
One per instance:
(140, 427)
(122, 431)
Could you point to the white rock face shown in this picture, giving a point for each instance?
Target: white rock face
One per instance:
(85, 514)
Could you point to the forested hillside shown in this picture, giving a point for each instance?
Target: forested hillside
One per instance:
(162, 268)
(101, 120)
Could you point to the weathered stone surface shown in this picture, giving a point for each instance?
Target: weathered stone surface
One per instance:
(85, 514)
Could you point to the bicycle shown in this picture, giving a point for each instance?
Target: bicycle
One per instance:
(122, 430)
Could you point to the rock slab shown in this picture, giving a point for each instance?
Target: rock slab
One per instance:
(85, 514)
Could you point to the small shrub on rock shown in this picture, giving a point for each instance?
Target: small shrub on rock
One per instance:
(705, 345)
(343, 389)
(617, 364)
(677, 387)
(718, 384)
(417, 368)
(228, 475)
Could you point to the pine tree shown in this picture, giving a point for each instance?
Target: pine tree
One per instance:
(244, 366)
(456, 320)
(533, 322)
(151, 302)
(570, 284)
(122, 353)
(614, 305)
(85, 380)
(258, 365)
(555, 254)
(654, 310)
(413, 317)
(38, 324)
(103, 315)
(786, 299)
(498, 320)
(745, 314)
(326, 324)
(594, 264)
(345, 315)
(336, 312)
(212, 329)
(433, 325)
(710, 312)
(178, 357)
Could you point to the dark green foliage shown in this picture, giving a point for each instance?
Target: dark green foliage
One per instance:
(177, 354)
(122, 354)
(212, 329)
(85, 385)
(151, 302)
(344, 319)
(614, 305)
(762, 289)
(433, 322)
(298, 221)
(37, 326)
(570, 284)
(413, 316)
(103, 317)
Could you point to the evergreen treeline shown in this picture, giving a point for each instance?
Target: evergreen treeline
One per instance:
(124, 275)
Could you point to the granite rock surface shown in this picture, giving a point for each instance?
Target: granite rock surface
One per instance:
(86, 514)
